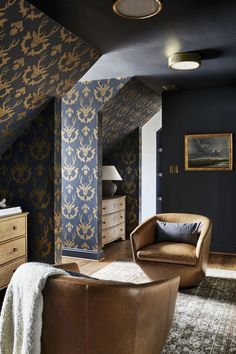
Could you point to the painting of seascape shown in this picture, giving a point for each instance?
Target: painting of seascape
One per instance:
(208, 152)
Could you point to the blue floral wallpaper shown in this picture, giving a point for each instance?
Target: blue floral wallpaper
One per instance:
(38, 59)
(131, 108)
(53, 170)
(27, 179)
(81, 158)
(95, 116)
(126, 157)
(123, 115)
(57, 182)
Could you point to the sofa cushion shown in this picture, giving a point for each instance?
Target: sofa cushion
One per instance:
(179, 253)
(178, 232)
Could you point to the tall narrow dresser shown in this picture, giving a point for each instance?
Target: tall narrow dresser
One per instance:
(113, 219)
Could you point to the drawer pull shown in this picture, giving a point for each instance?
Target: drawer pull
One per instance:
(15, 249)
(103, 208)
(121, 217)
(14, 227)
(121, 229)
(103, 236)
(104, 222)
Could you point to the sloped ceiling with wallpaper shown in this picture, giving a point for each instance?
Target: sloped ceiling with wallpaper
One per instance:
(129, 109)
(132, 107)
(39, 59)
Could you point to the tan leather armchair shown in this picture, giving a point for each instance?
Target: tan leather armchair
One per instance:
(165, 259)
(86, 316)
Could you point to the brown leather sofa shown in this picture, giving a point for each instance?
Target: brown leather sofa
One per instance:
(86, 316)
(165, 259)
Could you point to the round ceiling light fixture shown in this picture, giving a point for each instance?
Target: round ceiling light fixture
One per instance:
(184, 61)
(137, 9)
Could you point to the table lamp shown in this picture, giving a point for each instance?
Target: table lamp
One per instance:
(109, 174)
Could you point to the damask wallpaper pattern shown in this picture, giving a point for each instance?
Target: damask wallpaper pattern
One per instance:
(27, 179)
(94, 113)
(57, 241)
(54, 174)
(132, 107)
(126, 157)
(81, 164)
(122, 116)
(38, 59)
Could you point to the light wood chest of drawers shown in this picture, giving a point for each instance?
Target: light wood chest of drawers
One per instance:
(13, 245)
(113, 219)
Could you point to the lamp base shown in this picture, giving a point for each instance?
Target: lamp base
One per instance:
(108, 188)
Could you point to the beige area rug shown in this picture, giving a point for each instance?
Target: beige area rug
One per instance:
(205, 316)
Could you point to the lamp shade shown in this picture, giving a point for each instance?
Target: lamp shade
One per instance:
(110, 173)
(137, 9)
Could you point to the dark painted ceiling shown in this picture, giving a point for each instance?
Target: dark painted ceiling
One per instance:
(141, 47)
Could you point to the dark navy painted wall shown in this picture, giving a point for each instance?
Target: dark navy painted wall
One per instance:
(210, 193)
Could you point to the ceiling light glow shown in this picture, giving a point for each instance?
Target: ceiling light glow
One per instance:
(184, 61)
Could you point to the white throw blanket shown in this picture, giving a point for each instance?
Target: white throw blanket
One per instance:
(21, 317)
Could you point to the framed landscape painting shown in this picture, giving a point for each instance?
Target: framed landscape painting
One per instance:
(209, 152)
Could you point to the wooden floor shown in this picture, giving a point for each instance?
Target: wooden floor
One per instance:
(121, 250)
(223, 261)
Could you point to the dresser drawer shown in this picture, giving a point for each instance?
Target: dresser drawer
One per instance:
(113, 233)
(112, 205)
(12, 250)
(113, 219)
(12, 227)
(108, 235)
(7, 271)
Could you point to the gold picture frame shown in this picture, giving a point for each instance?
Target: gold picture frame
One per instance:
(209, 152)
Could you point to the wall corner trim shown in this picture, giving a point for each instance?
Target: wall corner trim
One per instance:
(79, 253)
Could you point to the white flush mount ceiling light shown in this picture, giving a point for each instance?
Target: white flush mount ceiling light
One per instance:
(137, 9)
(184, 61)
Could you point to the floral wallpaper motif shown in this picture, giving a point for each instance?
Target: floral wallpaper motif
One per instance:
(54, 171)
(54, 174)
(57, 182)
(27, 179)
(132, 107)
(38, 59)
(126, 157)
(81, 157)
(84, 130)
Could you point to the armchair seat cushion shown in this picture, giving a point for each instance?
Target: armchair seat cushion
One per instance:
(169, 252)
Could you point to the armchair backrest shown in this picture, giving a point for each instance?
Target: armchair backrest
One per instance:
(205, 227)
(86, 316)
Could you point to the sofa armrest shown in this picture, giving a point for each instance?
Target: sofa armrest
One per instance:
(144, 235)
(68, 266)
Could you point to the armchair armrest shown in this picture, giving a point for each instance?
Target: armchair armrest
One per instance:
(144, 235)
(204, 239)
